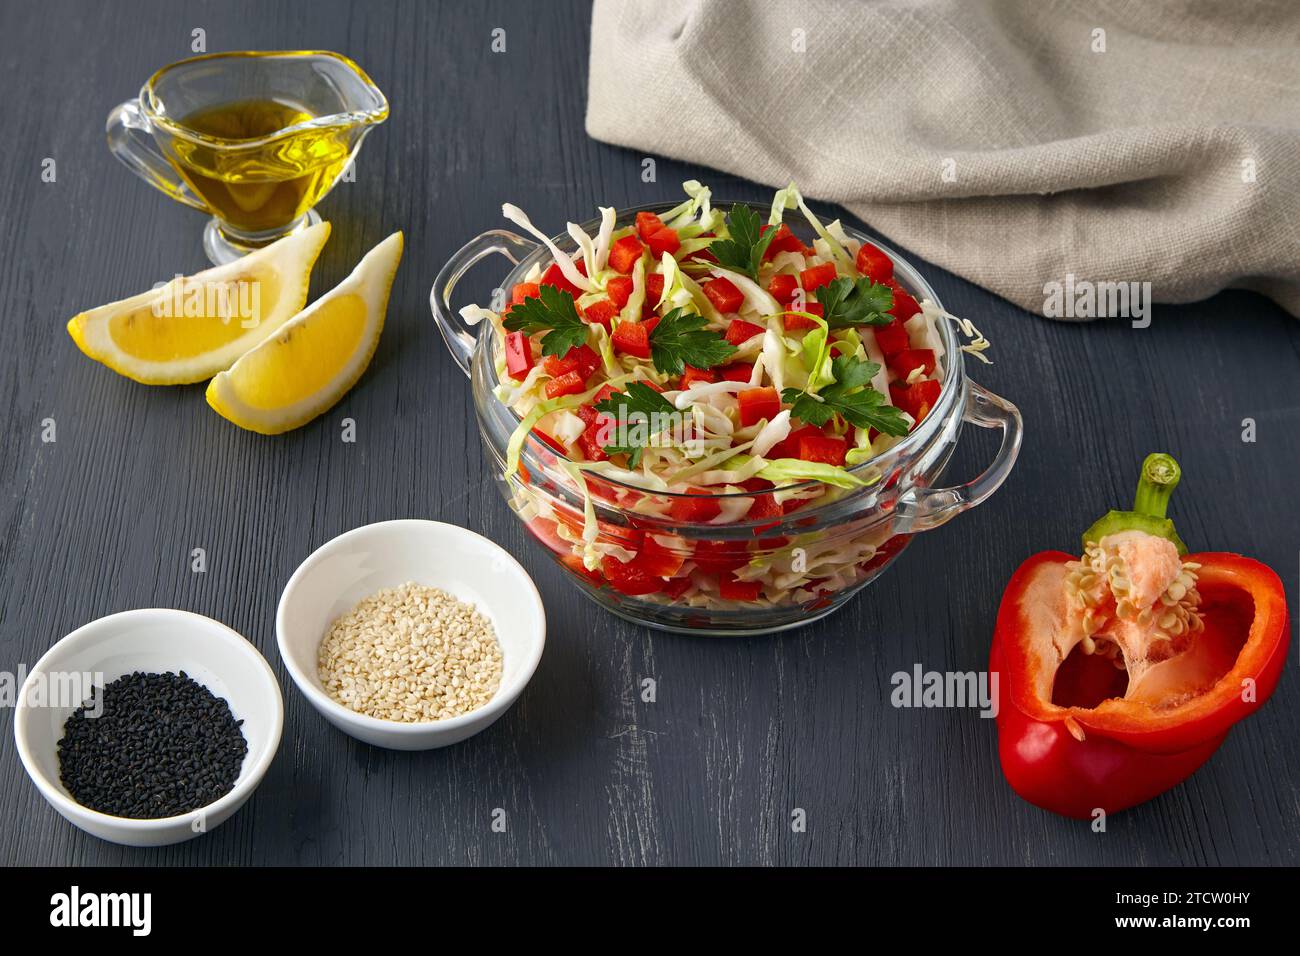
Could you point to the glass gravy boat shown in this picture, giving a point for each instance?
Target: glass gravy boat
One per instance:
(255, 139)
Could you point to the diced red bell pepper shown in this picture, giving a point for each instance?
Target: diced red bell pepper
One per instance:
(737, 372)
(732, 590)
(904, 306)
(656, 559)
(553, 276)
(788, 447)
(675, 587)
(590, 445)
(581, 358)
(619, 290)
(632, 338)
(548, 440)
(601, 312)
(783, 241)
(624, 253)
(647, 224)
(892, 338)
(823, 449)
(698, 507)
(654, 290)
(694, 376)
(524, 290)
(916, 399)
(874, 264)
(764, 506)
(757, 404)
(574, 563)
(629, 578)
(724, 295)
(740, 331)
(704, 255)
(665, 240)
(718, 556)
(782, 287)
(649, 324)
(796, 323)
(906, 361)
(519, 355)
(815, 276)
(570, 383)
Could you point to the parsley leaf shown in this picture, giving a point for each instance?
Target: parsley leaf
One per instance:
(864, 408)
(680, 339)
(744, 250)
(553, 309)
(639, 414)
(846, 303)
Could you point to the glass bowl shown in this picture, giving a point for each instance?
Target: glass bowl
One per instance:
(814, 547)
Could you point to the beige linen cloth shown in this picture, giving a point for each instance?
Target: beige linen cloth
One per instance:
(1010, 142)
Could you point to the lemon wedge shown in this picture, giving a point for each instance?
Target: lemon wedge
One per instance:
(195, 326)
(315, 357)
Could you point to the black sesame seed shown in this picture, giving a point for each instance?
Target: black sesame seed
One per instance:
(163, 745)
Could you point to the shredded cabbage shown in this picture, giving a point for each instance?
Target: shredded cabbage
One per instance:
(562, 259)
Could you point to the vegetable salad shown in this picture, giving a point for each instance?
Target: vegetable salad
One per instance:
(710, 353)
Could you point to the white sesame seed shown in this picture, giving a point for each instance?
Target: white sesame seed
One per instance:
(411, 654)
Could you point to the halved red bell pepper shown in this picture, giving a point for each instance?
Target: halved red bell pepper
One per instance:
(1077, 732)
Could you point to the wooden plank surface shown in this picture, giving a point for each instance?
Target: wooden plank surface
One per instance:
(743, 732)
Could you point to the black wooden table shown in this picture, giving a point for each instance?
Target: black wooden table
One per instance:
(743, 732)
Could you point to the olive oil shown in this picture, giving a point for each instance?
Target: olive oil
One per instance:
(271, 181)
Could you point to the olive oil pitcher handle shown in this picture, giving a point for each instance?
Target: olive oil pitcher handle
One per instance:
(920, 509)
(460, 342)
(127, 129)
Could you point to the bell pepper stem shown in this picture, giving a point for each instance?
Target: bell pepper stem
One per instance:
(1159, 478)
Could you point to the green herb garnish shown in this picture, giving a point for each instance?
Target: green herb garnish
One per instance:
(846, 303)
(849, 396)
(552, 309)
(680, 339)
(640, 414)
(744, 250)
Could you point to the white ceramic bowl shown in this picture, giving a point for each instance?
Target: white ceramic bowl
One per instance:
(353, 566)
(153, 640)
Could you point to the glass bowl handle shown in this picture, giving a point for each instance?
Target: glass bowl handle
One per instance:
(920, 509)
(127, 129)
(460, 342)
